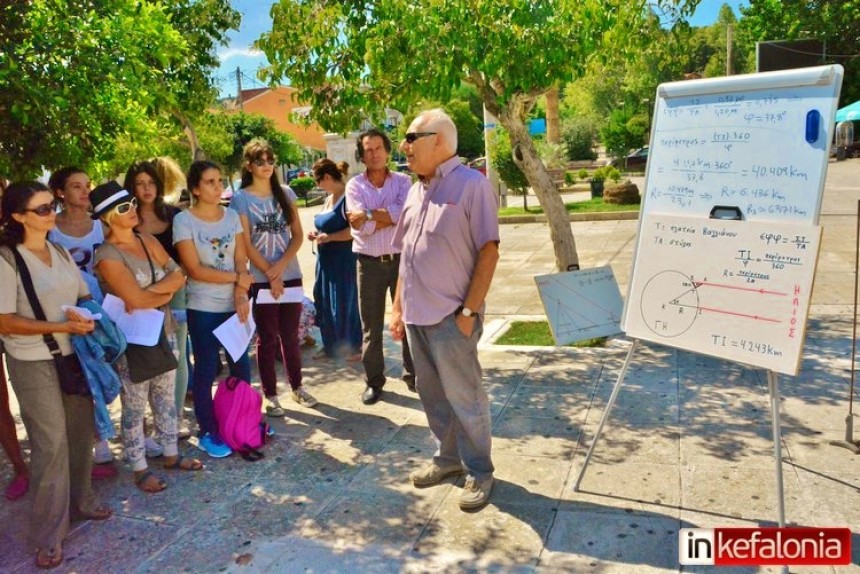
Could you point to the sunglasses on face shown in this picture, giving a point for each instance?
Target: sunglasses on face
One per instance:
(126, 206)
(45, 209)
(412, 136)
(260, 162)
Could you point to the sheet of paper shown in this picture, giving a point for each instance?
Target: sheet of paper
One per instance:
(236, 336)
(140, 327)
(83, 312)
(291, 295)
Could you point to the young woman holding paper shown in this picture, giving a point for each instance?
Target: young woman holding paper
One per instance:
(136, 269)
(273, 235)
(208, 239)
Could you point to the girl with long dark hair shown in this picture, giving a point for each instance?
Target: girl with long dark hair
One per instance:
(273, 235)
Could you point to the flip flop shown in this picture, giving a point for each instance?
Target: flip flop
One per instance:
(143, 478)
(100, 512)
(49, 559)
(193, 465)
(18, 487)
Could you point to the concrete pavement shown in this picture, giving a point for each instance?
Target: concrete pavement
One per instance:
(687, 444)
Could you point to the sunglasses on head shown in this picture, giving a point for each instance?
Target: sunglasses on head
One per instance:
(45, 209)
(126, 206)
(260, 162)
(412, 136)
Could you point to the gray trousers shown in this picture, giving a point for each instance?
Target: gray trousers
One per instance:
(61, 429)
(448, 377)
(376, 279)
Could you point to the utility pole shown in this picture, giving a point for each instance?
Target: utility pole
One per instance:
(239, 88)
(728, 49)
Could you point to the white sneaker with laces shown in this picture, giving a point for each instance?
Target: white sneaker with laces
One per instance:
(304, 398)
(274, 408)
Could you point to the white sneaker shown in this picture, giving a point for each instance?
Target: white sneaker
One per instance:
(153, 449)
(304, 398)
(102, 453)
(274, 408)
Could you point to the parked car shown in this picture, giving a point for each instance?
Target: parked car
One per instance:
(479, 164)
(635, 161)
(297, 172)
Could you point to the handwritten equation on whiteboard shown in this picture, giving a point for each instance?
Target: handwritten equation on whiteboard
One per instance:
(748, 150)
(738, 290)
(582, 304)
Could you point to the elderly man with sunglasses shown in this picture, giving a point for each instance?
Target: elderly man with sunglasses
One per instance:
(449, 234)
(375, 199)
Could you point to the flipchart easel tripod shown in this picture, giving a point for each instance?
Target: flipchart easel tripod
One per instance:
(773, 393)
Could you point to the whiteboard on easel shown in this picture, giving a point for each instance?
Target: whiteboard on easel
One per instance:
(736, 290)
(760, 142)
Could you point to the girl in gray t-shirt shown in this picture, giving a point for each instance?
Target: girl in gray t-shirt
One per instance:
(208, 238)
(273, 235)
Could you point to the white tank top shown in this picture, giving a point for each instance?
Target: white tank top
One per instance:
(81, 248)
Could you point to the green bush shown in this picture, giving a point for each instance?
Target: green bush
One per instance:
(501, 157)
(612, 173)
(598, 174)
(569, 177)
(302, 185)
(582, 174)
(578, 135)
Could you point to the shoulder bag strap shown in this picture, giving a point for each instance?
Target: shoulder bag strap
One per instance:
(27, 280)
(148, 257)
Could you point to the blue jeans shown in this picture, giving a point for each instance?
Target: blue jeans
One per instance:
(448, 379)
(206, 348)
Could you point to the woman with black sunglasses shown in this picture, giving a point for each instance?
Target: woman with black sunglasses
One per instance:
(273, 235)
(137, 269)
(60, 426)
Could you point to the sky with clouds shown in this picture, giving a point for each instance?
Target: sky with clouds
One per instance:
(256, 20)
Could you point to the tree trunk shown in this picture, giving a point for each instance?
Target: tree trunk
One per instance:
(553, 135)
(196, 152)
(526, 157)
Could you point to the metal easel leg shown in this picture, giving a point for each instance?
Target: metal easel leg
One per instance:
(605, 416)
(773, 392)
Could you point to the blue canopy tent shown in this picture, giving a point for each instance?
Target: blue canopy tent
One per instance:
(850, 112)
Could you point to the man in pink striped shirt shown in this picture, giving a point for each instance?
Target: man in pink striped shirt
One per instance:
(375, 199)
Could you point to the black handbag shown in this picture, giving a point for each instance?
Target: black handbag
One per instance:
(144, 363)
(73, 381)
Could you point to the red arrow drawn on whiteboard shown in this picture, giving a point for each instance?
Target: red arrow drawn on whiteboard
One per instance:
(762, 291)
(756, 317)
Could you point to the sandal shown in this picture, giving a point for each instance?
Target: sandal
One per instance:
(144, 481)
(191, 464)
(100, 512)
(50, 558)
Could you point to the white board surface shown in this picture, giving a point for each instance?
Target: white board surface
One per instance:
(581, 304)
(750, 141)
(731, 289)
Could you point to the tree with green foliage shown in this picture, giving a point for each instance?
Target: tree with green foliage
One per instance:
(835, 23)
(352, 58)
(82, 77)
(624, 131)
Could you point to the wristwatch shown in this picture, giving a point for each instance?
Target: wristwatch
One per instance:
(369, 214)
(467, 312)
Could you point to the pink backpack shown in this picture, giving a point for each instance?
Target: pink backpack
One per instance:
(240, 420)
